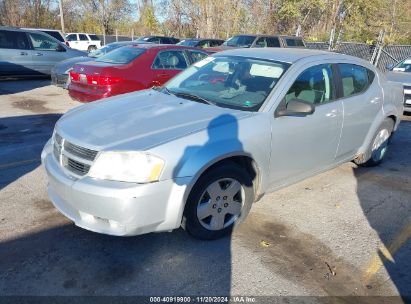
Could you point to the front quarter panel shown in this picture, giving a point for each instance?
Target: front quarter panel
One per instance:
(226, 136)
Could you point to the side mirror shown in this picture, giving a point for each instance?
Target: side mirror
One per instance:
(60, 48)
(295, 107)
(389, 67)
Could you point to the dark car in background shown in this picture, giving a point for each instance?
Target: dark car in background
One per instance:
(60, 72)
(158, 39)
(259, 41)
(30, 53)
(130, 68)
(201, 43)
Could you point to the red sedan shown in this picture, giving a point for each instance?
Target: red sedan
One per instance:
(130, 68)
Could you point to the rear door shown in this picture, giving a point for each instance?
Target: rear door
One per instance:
(45, 52)
(167, 64)
(362, 99)
(15, 56)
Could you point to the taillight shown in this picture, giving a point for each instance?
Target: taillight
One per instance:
(108, 80)
(95, 79)
(74, 76)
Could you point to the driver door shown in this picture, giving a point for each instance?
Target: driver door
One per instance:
(302, 145)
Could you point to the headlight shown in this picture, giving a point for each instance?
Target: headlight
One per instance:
(135, 167)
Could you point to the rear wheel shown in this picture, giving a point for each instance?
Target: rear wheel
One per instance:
(379, 145)
(91, 48)
(221, 198)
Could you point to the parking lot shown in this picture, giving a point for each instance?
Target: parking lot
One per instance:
(345, 232)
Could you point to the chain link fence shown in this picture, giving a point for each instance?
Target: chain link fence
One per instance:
(113, 38)
(379, 56)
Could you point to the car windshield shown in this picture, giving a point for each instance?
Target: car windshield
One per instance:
(403, 66)
(104, 50)
(188, 42)
(228, 81)
(121, 55)
(240, 41)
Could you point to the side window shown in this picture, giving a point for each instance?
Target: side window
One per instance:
(204, 44)
(314, 85)
(273, 42)
(71, 37)
(355, 79)
(82, 37)
(13, 40)
(261, 42)
(197, 56)
(154, 40)
(170, 60)
(42, 43)
(214, 43)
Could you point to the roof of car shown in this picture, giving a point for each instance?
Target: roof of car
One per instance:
(289, 55)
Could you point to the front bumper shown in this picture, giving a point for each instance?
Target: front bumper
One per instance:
(115, 208)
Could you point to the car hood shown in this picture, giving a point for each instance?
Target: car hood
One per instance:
(63, 66)
(137, 121)
(404, 78)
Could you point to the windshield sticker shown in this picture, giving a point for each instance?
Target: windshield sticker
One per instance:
(203, 62)
(248, 103)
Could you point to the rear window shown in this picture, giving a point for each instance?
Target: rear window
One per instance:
(13, 40)
(55, 34)
(94, 37)
(121, 55)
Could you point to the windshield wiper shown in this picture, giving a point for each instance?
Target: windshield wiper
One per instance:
(192, 97)
(162, 89)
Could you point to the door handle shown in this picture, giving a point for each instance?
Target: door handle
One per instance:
(23, 54)
(38, 54)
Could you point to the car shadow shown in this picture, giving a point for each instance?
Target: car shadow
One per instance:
(18, 85)
(21, 140)
(384, 193)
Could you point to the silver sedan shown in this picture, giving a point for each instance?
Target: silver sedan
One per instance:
(199, 151)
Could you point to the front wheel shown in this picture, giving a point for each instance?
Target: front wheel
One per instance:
(91, 48)
(379, 145)
(221, 198)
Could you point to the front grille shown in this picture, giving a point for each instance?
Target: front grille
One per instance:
(80, 151)
(407, 95)
(79, 166)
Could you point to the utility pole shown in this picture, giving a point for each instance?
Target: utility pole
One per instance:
(61, 16)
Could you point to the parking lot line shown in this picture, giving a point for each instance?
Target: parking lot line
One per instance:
(388, 253)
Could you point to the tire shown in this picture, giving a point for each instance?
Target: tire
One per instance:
(207, 214)
(91, 48)
(378, 148)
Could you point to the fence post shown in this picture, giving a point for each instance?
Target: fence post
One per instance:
(116, 35)
(378, 47)
(331, 41)
(132, 34)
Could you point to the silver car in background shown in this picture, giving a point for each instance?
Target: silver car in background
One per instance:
(401, 72)
(30, 53)
(199, 151)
